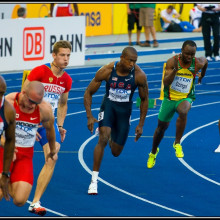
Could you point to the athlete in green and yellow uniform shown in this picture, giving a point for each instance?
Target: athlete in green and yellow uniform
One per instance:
(179, 93)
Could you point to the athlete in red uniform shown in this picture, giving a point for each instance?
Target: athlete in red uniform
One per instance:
(7, 125)
(31, 109)
(57, 84)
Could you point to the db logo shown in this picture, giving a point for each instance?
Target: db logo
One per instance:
(33, 43)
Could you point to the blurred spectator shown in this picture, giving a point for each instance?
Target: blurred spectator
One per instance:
(195, 16)
(60, 10)
(133, 17)
(21, 12)
(171, 23)
(210, 23)
(146, 19)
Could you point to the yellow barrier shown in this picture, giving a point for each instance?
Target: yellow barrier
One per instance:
(162, 86)
(25, 74)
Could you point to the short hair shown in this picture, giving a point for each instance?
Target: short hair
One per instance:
(170, 7)
(129, 50)
(61, 44)
(21, 12)
(190, 43)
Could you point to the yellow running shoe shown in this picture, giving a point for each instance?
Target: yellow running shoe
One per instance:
(152, 159)
(178, 150)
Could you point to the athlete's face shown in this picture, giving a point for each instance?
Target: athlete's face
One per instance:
(31, 100)
(62, 58)
(129, 61)
(188, 52)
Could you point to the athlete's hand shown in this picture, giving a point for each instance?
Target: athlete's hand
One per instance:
(200, 77)
(38, 137)
(62, 133)
(138, 132)
(4, 187)
(90, 123)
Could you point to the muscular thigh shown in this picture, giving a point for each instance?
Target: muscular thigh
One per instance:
(22, 167)
(167, 110)
(21, 190)
(121, 126)
(117, 117)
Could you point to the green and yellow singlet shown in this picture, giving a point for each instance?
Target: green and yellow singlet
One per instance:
(183, 85)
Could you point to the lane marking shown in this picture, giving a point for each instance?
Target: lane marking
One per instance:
(186, 164)
(80, 157)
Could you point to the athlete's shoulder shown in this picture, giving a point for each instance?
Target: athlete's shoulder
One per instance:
(201, 61)
(11, 97)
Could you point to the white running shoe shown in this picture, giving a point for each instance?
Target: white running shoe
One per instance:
(217, 58)
(36, 208)
(93, 188)
(217, 150)
(209, 58)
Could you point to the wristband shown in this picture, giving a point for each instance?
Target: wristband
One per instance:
(60, 126)
(7, 174)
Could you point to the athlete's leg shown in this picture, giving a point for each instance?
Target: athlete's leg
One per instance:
(182, 109)
(20, 192)
(115, 148)
(104, 135)
(158, 135)
(45, 173)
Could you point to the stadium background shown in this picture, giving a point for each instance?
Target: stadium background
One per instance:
(103, 19)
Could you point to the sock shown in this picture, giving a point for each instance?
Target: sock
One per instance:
(95, 175)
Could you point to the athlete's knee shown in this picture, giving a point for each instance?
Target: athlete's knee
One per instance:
(103, 140)
(183, 115)
(161, 129)
(116, 153)
(19, 201)
(116, 149)
(52, 162)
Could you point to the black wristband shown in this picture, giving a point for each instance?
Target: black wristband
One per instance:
(7, 174)
(60, 126)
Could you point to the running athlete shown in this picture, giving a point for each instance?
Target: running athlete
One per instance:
(179, 93)
(30, 109)
(57, 84)
(7, 125)
(122, 78)
(60, 10)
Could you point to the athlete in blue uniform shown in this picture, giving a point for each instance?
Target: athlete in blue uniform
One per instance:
(7, 125)
(122, 78)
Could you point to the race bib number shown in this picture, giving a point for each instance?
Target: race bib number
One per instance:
(25, 134)
(119, 95)
(181, 84)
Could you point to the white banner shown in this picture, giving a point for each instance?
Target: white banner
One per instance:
(27, 43)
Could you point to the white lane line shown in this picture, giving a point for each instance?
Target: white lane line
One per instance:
(80, 157)
(187, 165)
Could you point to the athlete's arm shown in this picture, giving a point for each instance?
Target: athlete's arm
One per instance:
(61, 114)
(170, 71)
(102, 74)
(9, 146)
(47, 119)
(202, 64)
(141, 81)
